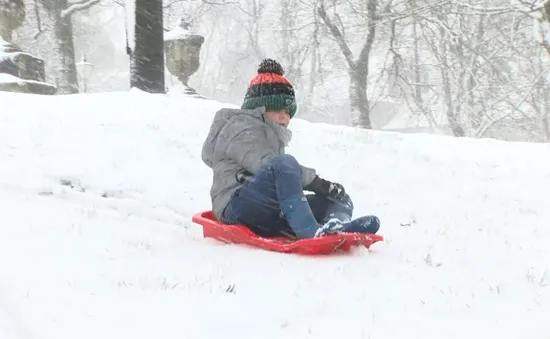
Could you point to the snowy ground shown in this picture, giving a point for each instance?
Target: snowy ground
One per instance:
(97, 193)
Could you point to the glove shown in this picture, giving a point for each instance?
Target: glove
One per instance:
(326, 188)
(242, 176)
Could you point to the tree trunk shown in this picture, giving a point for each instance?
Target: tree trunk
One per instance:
(359, 102)
(359, 74)
(66, 77)
(452, 115)
(314, 60)
(544, 112)
(546, 126)
(451, 112)
(358, 69)
(147, 58)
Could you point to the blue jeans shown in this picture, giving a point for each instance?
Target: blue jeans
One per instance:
(257, 204)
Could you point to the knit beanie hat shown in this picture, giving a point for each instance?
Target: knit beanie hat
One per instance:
(269, 88)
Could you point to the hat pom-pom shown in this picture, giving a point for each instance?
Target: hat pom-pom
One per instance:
(270, 66)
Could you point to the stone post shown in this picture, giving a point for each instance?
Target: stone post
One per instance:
(182, 49)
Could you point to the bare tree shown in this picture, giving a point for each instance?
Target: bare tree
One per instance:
(539, 12)
(61, 12)
(472, 52)
(358, 68)
(475, 67)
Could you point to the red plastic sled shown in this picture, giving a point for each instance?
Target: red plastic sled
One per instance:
(239, 234)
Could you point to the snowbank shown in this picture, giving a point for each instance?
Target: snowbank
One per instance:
(11, 79)
(97, 193)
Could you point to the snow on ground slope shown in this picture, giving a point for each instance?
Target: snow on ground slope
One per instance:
(97, 192)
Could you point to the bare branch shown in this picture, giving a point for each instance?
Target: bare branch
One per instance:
(220, 3)
(414, 11)
(473, 9)
(363, 58)
(337, 35)
(39, 28)
(77, 5)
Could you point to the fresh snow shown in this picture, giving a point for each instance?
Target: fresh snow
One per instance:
(3, 47)
(8, 50)
(10, 79)
(5, 55)
(97, 193)
(178, 33)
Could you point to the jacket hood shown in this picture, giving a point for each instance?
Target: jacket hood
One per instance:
(219, 121)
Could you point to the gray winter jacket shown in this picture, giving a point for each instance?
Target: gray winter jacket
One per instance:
(240, 140)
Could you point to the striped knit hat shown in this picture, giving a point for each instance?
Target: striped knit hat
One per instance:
(269, 88)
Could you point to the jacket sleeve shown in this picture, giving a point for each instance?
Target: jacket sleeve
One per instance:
(308, 174)
(206, 154)
(250, 149)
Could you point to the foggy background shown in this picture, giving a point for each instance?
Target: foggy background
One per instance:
(463, 68)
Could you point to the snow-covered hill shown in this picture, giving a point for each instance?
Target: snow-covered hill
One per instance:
(96, 239)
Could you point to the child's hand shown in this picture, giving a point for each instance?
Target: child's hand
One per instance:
(326, 188)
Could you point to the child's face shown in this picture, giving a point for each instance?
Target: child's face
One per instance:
(281, 117)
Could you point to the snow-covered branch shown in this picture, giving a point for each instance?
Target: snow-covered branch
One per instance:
(476, 9)
(388, 15)
(528, 6)
(539, 11)
(340, 39)
(77, 5)
(222, 2)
